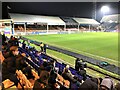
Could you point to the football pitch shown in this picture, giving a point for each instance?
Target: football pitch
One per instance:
(99, 45)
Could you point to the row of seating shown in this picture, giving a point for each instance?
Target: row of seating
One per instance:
(59, 65)
(32, 61)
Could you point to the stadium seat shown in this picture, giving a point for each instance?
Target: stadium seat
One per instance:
(35, 74)
(23, 79)
(7, 83)
(66, 83)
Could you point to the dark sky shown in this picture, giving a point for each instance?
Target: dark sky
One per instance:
(70, 9)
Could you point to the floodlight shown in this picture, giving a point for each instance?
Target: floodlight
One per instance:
(105, 9)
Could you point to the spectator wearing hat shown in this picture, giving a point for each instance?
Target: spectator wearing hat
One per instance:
(106, 84)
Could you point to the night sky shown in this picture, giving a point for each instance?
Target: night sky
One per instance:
(69, 9)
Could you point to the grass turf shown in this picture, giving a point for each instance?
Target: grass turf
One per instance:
(100, 45)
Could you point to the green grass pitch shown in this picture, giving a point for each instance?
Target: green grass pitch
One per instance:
(99, 45)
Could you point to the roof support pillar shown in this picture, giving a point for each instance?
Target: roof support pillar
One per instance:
(78, 27)
(89, 27)
(12, 27)
(25, 27)
(64, 27)
(47, 28)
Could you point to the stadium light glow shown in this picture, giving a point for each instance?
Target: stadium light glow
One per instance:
(110, 21)
(105, 9)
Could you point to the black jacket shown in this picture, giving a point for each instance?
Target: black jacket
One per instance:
(67, 76)
(88, 85)
(21, 62)
(8, 67)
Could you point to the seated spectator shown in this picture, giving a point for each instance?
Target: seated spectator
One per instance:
(13, 42)
(52, 81)
(9, 64)
(28, 72)
(21, 62)
(52, 77)
(106, 84)
(38, 85)
(16, 43)
(38, 54)
(51, 63)
(90, 84)
(68, 75)
(42, 82)
(82, 72)
(10, 61)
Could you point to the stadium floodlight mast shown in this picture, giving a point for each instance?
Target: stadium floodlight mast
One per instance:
(105, 9)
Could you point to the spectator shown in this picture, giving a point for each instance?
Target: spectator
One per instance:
(3, 39)
(90, 84)
(28, 72)
(9, 65)
(52, 81)
(11, 60)
(107, 84)
(42, 47)
(42, 82)
(13, 41)
(77, 65)
(82, 72)
(38, 54)
(20, 62)
(23, 44)
(16, 43)
(68, 75)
